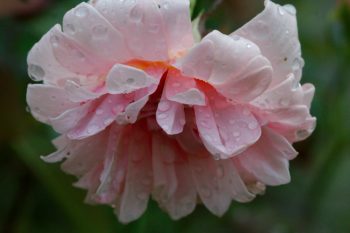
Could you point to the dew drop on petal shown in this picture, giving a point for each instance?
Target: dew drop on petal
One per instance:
(302, 133)
(35, 72)
(142, 196)
(284, 102)
(236, 37)
(99, 112)
(92, 129)
(162, 116)
(136, 14)
(281, 11)
(290, 9)
(236, 134)
(81, 12)
(55, 40)
(182, 121)
(220, 172)
(246, 112)
(154, 28)
(206, 192)
(163, 106)
(70, 29)
(99, 31)
(252, 125)
(249, 46)
(216, 156)
(176, 84)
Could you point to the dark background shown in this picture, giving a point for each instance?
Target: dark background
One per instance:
(38, 198)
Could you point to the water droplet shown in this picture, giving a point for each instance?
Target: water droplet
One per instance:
(236, 38)
(182, 121)
(81, 12)
(206, 192)
(36, 73)
(205, 124)
(280, 10)
(28, 109)
(252, 125)
(99, 112)
(236, 134)
(217, 156)
(287, 31)
(249, 46)
(220, 171)
(284, 102)
(92, 129)
(142, 196)
(55, 40)
(130, 80)
(246, 112)
(290, 9)
(165, 5)
(302, 133)
(176, 84)
(136, 14)
(163, 106)
(70, 29)
(99, 31)
(162, 116)
(154, 28)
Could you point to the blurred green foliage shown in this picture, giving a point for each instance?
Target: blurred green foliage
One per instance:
(38, 198)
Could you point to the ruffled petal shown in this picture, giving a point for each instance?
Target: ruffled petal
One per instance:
(275, 32)
(170, 116)
(177, 25)
(141, 23)
(134, 198)
(101, 114)
(47, 101)
(268, 158)
(42, 63)
(226, 130)
(235, 67)
(173, 187)
(124, 79)
(217, 182)
(74, 57)
(183, 90)
(92, 31)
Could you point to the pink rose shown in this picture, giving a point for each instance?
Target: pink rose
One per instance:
(145, 111)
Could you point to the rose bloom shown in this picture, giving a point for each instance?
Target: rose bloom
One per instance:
(144, 111)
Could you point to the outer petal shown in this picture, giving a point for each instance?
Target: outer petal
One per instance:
(217, 182)
(124, 79)
(141, 22)
(47, 101)
(268, 158)
(87, 26)
(226, 129)
(170, 116)
(134, 199)
(275, 32)
(183, 89)
(74, 57)
(42, 63)
(101, 114)
(173, 187)
(177, 25)
(235, 67)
